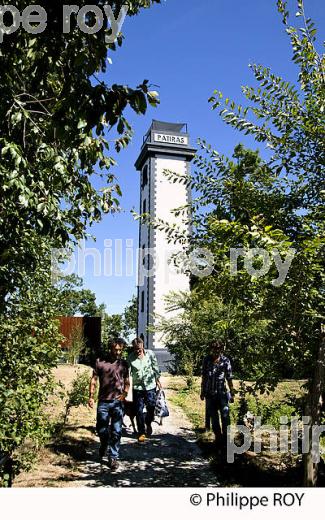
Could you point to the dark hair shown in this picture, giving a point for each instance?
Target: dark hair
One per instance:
(137, 341)
(116, 341)
(216, 343)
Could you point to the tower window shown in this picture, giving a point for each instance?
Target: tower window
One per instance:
(144, 176)
(144, 206)
(142, 301)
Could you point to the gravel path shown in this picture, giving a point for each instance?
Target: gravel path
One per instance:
(170, 458)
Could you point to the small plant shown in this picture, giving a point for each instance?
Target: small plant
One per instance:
(189, 377)
(77, 345)
(78, 395)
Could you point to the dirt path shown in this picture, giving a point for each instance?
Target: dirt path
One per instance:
(170, 458)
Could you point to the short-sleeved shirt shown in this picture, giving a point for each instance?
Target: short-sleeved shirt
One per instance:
(111, 375)
(144, 371)
(214, 375)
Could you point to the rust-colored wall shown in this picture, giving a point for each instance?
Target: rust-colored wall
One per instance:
(67, 324)
(92, 331)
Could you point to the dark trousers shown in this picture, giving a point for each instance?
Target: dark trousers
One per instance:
(141, 398)
(109, 425)
(215, 405)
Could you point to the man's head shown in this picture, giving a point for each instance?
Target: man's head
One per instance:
(115, 347)
(216, 347)
(138, 346)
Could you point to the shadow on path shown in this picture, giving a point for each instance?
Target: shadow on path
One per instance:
(164, 460)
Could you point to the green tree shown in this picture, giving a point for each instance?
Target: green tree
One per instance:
(77, 345)
(30, 349)
(239, 202)
(54, 118)
(74, 299)
(78, 395)
(275, 205)
(112, 327)
(130, 317)
(55, 115)
(291, 123)
(118, 325)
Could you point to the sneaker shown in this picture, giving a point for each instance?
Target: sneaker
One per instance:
(149, 430)
(113, 464)
(142, 438)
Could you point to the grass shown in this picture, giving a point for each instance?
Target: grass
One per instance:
(189, 401)
(271, 406)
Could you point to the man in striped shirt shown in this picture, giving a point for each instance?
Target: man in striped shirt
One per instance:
(216, 371)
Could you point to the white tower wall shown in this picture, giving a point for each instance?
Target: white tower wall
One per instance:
(168, 196)
(165, 148)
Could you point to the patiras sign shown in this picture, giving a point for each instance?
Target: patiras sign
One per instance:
(171, 139)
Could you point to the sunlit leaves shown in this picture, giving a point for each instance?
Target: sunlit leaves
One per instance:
(57, 119)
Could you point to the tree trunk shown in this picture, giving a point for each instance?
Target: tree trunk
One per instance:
(313, 411)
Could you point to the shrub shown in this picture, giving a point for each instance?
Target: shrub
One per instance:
(77, 345)
(78, 394)
(29, 349)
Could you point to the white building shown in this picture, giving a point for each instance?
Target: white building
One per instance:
(165, 147)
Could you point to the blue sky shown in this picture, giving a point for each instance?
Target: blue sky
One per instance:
(188, 48)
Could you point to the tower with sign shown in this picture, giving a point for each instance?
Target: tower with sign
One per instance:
(166, 147)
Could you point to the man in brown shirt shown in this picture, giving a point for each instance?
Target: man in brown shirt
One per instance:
(114, 384)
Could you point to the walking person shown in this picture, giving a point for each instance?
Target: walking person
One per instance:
(146, 379)
(216, 371)
(114, 384)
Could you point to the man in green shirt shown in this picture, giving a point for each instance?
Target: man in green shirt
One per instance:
(145, 374)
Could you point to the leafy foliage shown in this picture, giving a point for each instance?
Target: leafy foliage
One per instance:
(74, 299)
(77, 345)
(119, 325)
(78, 394)
(59, 122)
(245, 202)
(276, 206)
(54, 118)
(130, 317)
(112, 327)
(29, 349)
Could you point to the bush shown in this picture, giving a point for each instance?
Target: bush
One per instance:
(269, 411)
(78, 395)
(29, 349)
(77, 345)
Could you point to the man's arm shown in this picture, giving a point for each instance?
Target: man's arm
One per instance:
(125, 392)
(127, 384)
(92, 389)
(230, 381)
(232, 390)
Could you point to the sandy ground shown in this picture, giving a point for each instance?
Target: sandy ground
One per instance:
(170, 458)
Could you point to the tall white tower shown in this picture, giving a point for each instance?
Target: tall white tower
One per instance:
(166, 146)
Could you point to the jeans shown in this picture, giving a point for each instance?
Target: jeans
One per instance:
(109, 425)
(219, 404)
(141, 398)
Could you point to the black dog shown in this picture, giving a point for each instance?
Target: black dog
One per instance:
(129, 410)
